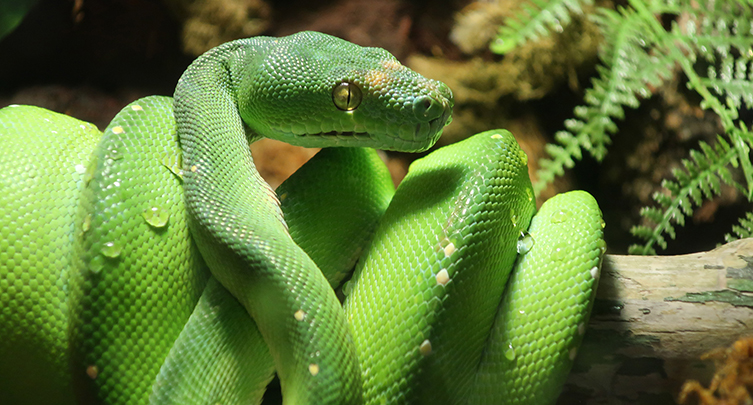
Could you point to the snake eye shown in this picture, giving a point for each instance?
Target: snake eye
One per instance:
(346, 96)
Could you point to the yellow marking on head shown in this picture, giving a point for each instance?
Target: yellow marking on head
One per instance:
(92, 371)
(392, 65)
(443, 277)
(314, 369)
(136, 107)
(425, 348)
(194, 168)
(117, 130)
(377, 78)
(496, 136)
(299, 315)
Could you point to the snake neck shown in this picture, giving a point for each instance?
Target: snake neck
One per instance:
(238, 226)
(214, 139)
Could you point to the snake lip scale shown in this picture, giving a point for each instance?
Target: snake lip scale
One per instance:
(434, 125)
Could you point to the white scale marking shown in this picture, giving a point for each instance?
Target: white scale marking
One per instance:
(443, 277)
(314, 369)
(425, 348)
(449, 249)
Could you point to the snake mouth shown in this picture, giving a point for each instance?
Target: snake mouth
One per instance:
(385, 141)
(344, 135)
(433, 127)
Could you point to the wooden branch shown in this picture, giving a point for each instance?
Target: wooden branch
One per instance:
(653, 318)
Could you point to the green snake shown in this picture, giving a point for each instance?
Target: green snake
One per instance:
(151, 263)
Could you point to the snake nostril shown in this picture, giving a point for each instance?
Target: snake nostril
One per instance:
(426, 108)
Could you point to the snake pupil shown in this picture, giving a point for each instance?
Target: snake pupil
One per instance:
(346, 96)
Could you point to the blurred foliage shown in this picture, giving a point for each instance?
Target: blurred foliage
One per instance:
(12, 12)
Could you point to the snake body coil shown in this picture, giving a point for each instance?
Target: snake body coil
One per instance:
(153, 264)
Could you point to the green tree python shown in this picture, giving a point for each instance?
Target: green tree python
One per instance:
(152, 264)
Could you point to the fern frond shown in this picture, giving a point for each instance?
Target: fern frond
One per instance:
(741, 140)
(537, 18)
(699, 179)
(627, 72)
(723, 37)
(563, 156)
(730, 79)
(637, 54)
(743, 230)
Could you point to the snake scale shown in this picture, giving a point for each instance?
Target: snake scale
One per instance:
(150, 263)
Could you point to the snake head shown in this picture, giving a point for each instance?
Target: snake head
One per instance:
(312, 89)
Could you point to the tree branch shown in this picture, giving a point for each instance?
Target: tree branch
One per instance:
(653, 318)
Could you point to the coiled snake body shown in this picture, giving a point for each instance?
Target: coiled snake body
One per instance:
(131, 260)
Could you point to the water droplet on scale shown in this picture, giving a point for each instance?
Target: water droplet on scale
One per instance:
(97, 264)
(510, 352)
(559, 252)
(156, 216)
(111, 249)
(87, 223)
(602, 246)
(174, 165)
(348, 287)
(90, 169)
(115, 154)
(559, 217)
(525, 243)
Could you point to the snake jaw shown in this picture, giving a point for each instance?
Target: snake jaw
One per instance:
(354, 128)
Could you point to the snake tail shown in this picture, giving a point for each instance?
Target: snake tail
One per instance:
(546, 306)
